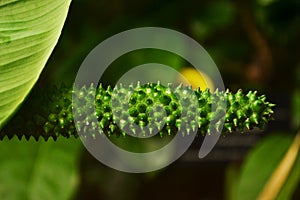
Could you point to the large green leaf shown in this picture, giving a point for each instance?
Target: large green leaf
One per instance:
(29, 30)
(33, 170)
(260, 165)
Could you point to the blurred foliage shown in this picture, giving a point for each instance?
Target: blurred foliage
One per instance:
(33, 170)
(261, 163)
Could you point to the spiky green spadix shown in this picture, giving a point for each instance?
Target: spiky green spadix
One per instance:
(142, 110)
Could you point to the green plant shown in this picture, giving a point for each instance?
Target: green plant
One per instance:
(274, 178)
(29, 30)
(50, 115)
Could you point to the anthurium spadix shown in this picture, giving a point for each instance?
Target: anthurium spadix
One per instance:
(151, 108)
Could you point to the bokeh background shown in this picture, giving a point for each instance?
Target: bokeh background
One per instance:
(254, 43)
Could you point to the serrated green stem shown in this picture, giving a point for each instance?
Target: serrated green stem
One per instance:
(151, 108)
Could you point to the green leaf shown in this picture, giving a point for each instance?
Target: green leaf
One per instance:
(260, 165)
(29, 30)
(33, 170)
